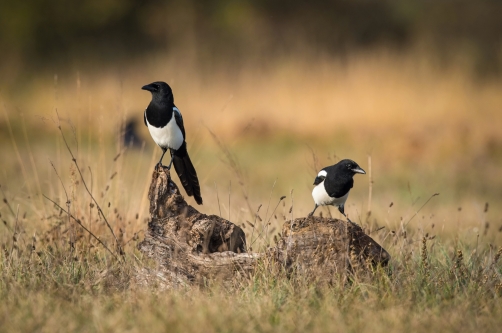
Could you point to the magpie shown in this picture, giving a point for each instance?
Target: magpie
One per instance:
(333, 184)
(165, 123)
(131, 138)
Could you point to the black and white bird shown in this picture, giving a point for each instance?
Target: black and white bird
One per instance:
(165, 123)
(333, 185)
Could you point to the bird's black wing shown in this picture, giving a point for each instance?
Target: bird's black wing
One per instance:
(179, 121)
(339, 187)
(144, 118)
(338, 182)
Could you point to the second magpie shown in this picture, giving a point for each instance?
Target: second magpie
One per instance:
(165, 123)
(333, 184)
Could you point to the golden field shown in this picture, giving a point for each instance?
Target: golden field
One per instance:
(255, 133)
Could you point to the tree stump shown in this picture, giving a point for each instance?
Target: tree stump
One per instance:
(190, 247)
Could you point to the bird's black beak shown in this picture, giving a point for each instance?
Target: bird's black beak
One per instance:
(149, 87)
(318, 180)
(359, 170)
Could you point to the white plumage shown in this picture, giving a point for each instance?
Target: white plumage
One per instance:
(169, 136)
(322, 198)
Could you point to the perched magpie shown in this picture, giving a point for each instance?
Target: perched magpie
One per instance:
(333, 185)
(131, 137)
(165, 123)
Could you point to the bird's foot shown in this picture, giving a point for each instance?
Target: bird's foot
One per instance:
(347, 217)
(312, 212)
(159, 166)
(348, 220)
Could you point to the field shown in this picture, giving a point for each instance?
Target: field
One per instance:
(257, 133)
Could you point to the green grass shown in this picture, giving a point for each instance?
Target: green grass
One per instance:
(60, 290)
(418, 127)
(54, 278)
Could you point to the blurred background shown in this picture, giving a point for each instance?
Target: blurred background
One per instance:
(271, 92)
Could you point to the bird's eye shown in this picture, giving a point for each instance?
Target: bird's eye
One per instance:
(349, 166)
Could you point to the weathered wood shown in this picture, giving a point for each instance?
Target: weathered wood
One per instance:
(314, 245)
(190, 246)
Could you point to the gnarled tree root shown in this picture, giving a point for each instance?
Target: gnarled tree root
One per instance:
(190, 246)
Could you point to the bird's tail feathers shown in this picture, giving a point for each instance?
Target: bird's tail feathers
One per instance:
(188, 176)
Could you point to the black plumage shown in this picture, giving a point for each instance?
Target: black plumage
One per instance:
(333, 184)
(131, 137)
(165, 124)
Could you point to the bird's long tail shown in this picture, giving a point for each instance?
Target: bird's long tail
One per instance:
(186, 172)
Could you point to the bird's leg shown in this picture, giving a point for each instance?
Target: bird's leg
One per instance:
(347, 218)
(171, 162)
(341, 209)
(163, 153)
(312, 213)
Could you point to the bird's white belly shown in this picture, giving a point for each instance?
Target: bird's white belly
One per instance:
(169, 136)
(321, 197)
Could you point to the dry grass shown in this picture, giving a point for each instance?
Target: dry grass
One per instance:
(427, 130)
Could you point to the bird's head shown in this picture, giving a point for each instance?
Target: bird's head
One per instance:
(350, 166)
(159, 90)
